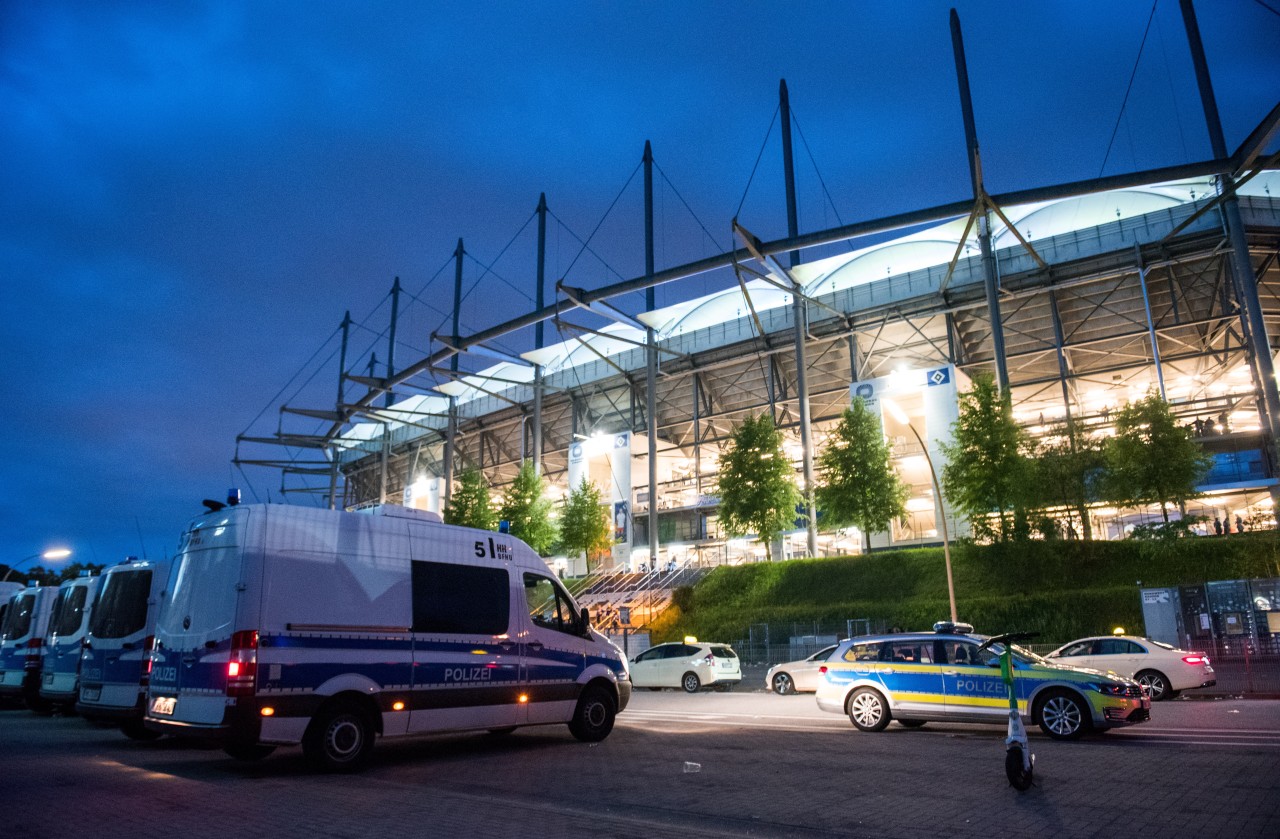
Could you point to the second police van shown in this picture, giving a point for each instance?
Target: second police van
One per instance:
(22, 645)
(115, 661)
(289, 625)
(68, 623)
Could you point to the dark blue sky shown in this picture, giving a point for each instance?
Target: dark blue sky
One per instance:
(194, 193)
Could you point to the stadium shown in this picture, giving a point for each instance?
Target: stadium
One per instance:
(1077, 297)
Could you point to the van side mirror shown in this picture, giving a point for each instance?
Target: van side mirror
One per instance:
(584, 619)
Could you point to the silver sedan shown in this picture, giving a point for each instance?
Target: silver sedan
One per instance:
(798, 676)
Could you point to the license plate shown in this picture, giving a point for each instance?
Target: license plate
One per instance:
(90, 694)
(48, 678)
(164, 705)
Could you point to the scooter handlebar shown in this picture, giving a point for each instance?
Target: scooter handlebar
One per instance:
(1008, 638)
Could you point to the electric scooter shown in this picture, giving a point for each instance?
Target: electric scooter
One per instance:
(1019, 762)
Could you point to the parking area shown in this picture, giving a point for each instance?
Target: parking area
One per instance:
(708, 764)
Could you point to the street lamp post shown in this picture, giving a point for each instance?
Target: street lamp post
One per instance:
(901, 416)
(51, 554)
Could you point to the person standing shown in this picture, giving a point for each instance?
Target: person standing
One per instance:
(1217, 525)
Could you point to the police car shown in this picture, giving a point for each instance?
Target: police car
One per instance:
(943, 676)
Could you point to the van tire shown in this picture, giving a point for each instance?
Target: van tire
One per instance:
(593, 718)
(339, 738)
(248, 752)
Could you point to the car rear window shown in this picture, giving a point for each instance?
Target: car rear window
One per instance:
(723, 652)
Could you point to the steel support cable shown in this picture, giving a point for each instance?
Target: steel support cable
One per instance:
(668, 182)
(1129, 88)
(831, 201)
(586, 244)
(759, 155)
(488, 269)
(293, 378)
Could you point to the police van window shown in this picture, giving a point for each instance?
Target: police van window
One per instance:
(549, 605)
(863, 652)
(121, 607)
(69, 610)
(460, 599)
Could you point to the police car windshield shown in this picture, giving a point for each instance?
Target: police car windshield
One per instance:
(1022, 654)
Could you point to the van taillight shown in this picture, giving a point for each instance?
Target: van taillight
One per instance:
(33, 652)
(243, 664)
(148, 646)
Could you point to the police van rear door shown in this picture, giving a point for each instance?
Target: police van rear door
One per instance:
(194, 632)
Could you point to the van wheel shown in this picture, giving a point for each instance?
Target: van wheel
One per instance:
(690, 682)
(593, 718)
(339, 739)
(137, 730)
(248, 752)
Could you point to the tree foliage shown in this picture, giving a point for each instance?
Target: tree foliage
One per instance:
(857, 482)
(1066, 470)
(987, 476)
(584, 523)
(528, 510)
(42, 576)
(756, 485)
(470, 505)
(1152, 459)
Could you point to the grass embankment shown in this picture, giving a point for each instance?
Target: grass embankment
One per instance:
(1062, 590)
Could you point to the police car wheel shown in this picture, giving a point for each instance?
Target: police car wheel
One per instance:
(1156, 683)
(782, 684)
(690, 682)
(593, 718)
(868, 710)
(339, 739)
(1063, 716)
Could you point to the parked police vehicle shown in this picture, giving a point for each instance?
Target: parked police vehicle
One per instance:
(7, 591)
(947, 676)
(68, 624)
(115, 661)
(22, 645)
(284, 625)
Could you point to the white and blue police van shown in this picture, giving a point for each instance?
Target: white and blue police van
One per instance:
(7, 591)
(284, 625)
(68, 624)
(115, 660)
(22, 645)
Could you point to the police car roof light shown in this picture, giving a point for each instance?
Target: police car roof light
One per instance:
(951, 628)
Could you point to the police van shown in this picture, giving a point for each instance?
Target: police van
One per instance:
(284, 625)
(68, 623)
(115, 660)
(22, 644)
(7, 591)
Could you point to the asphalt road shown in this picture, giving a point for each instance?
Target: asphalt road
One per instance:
(711, 764)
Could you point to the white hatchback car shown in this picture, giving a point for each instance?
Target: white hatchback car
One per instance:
(689, 665)
(1163, 670)
(798, 676)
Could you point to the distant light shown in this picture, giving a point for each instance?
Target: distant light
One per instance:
(56, 553)
(397, 705)
(524, 697)
(1119, 630)
(268, 711)
(690, 639)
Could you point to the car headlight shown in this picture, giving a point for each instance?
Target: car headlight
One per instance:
(1110, 688)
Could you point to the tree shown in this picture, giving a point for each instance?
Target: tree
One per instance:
(986, 470)
(584, 523)
(1151, 459)
(470, 505)
(528, 511)
(1065, 473)
(857, 483)
(757, 488)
